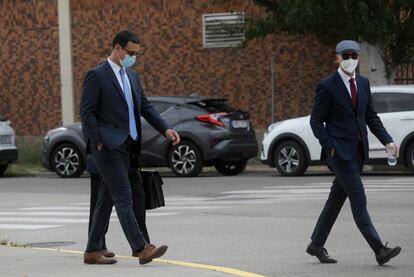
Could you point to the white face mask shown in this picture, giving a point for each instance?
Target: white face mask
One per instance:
(349, 65)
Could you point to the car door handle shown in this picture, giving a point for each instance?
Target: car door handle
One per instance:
(407, 118)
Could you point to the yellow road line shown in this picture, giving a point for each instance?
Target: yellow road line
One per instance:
(228, 270)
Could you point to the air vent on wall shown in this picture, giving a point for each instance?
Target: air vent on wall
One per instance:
(223, 29)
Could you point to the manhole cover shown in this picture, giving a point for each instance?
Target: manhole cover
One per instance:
(50, 244)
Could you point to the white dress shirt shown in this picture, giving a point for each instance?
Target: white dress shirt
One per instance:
(116, 68)
(346, 79)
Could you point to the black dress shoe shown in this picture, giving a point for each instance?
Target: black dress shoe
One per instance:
(321, 253)
(385, 254)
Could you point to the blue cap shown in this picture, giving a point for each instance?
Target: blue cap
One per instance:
(347, 45)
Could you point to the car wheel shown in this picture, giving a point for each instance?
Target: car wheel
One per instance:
(185, 159)
(290, 159)
(67, 161)
(410, 156)
(3, 169)
(230, 168)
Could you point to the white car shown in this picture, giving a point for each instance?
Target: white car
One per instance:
(291, 147)
(8, 149)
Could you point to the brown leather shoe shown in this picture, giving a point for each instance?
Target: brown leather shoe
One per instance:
(107, 254)
(96, 257)
(149, 253)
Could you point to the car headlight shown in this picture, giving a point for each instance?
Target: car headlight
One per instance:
(54, 131)
(272, 126)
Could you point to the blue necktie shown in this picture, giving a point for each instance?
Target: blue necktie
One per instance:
(128, 96)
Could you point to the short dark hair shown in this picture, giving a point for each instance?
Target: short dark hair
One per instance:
(123, 37)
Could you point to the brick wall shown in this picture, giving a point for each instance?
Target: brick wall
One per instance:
(29, 58)
(175, 63)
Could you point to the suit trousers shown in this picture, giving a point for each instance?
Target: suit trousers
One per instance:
(96, 185)
(138, 201)
(347, 183)
(113, 166)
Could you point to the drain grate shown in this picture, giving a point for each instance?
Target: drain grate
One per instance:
(49, 244)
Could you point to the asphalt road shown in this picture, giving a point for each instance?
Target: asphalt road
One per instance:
(258, 222)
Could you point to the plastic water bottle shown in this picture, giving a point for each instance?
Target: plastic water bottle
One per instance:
(391, 158)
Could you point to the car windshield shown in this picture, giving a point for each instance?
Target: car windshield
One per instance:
(214, 106)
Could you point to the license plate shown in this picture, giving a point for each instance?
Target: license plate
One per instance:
(240, 124)
(6, 139)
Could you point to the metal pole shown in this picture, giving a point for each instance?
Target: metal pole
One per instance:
(273, 80)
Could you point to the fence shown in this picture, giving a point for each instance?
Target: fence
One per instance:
(404, 74)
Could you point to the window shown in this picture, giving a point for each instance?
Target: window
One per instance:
(160, 107)
(394, 102)
(223, 29)
(214, 106)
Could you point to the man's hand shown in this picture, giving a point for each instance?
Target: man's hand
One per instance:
(391, 145)
(172, 135)
(99, 146)
(333, 152)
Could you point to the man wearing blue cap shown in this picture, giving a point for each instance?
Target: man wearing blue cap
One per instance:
(342, 110)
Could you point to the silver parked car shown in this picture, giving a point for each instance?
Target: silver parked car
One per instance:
(8, 149)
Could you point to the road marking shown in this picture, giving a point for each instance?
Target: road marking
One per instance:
(78, 213)
(26, 226)
(66, 208)
(282, 192)
(390, 183)
(82, 204)
(34, 213)
(228, 270)
(155, 214)
(328, 185)
(43, 220)
(179, 199)
(7, 221)
(189, 207)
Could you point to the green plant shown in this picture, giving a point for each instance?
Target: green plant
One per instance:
(29, 159)
(30, 150)
(389, 25)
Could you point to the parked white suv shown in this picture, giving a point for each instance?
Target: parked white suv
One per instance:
(8, 149)
(291, 147)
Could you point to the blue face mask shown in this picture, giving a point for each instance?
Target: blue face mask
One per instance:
(128, 61)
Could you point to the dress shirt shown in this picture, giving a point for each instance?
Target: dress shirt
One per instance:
(345, 79)
(116, 68)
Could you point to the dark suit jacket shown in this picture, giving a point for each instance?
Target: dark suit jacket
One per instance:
(336, 123)
(90, 165)
(104, 110)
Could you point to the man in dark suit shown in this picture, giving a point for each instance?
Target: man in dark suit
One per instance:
(342, 110)
(112, 102)
(138, 201)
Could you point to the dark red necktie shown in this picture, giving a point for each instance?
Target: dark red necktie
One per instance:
(354, 94)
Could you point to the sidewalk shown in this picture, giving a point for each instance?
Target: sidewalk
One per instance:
(35, 262)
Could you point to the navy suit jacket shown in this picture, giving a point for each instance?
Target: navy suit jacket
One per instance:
(104, 110)
(335, 123)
